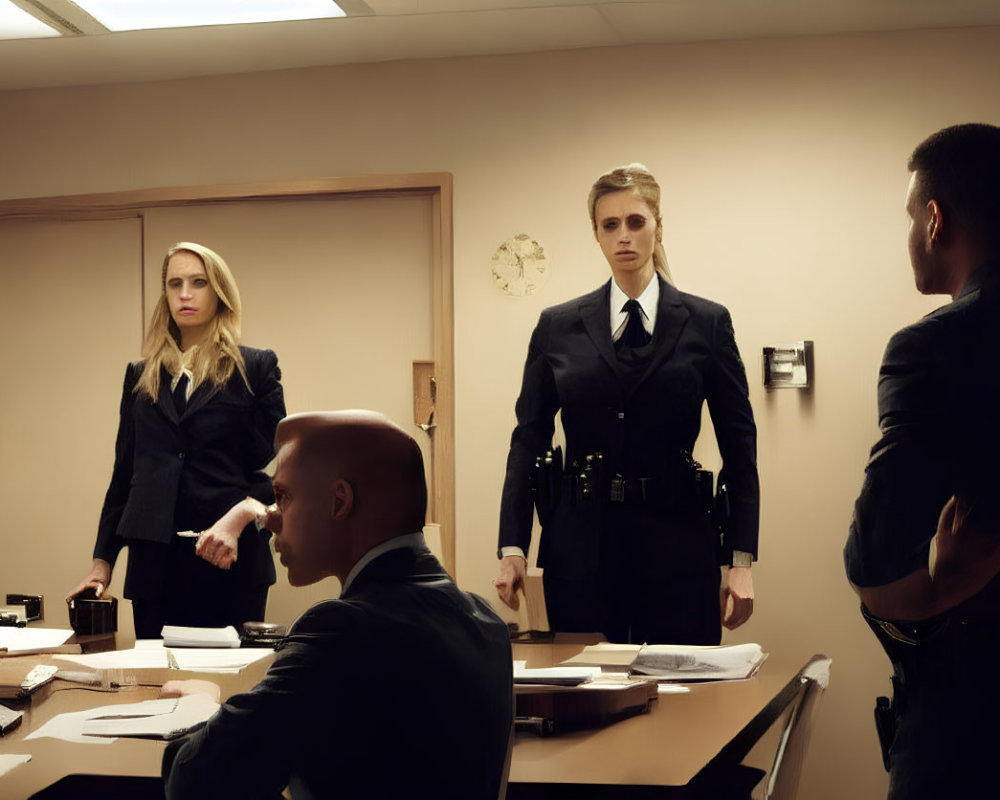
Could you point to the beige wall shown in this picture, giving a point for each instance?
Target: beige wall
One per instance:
(783, 164)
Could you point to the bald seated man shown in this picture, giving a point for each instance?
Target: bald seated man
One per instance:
(400, 688)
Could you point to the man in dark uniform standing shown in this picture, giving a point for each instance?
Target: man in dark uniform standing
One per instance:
(923, 550)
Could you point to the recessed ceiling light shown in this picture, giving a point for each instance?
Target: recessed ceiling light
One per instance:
(128, 15)
(16, 23)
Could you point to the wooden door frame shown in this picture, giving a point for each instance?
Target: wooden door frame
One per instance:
(436, 185)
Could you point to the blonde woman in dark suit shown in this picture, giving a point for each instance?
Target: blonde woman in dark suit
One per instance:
(627, 545)
(198, 416)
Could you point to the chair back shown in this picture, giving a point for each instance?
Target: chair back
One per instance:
(783, 782)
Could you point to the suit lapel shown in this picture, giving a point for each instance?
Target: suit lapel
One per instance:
(201, 395)
(595, 311)
(165, 402)
(671, 317)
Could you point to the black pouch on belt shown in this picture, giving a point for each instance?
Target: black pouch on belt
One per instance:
(546, 483)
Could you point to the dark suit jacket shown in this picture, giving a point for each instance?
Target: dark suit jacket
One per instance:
(938, 401)
(182, 473)
(938, 395)
(401, 688)
(640, 426)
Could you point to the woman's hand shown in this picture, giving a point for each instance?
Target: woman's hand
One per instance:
(219, 544)
(97, 579)
(511, 580)
(737, 590)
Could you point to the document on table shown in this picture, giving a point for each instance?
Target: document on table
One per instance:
(555, 676)
(606, 655)
(152, 654)
(673, 661)
(687, 663)
(166, 718)
(222, 660)
(25, 640)
(147, 654)
(180, 636)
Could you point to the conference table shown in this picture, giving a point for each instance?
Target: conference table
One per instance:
(673, 750)
(660, 753)
(55, 759)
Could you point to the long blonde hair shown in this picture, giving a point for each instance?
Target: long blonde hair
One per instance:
(215, 358)
(633, 176)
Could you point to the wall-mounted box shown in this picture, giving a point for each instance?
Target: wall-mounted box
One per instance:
(788, 366)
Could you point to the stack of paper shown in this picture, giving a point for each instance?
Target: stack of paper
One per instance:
(554, 676)
(693, 663)
(178, 636)
(673, 661)
(609, 657)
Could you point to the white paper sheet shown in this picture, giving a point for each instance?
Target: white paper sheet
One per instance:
(152, 719)
(10, 760)
(179, 636)
(560, 676)
(147, 654)
(20, 639)
(222, 660)
(184, 714)
(151, 654)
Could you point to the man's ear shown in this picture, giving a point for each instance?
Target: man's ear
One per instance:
(343, 499)
(935, 222)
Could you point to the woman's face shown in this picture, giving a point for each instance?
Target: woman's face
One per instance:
(191, 298)
(626, 230)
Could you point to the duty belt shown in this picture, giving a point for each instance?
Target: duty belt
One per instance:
(683, 485)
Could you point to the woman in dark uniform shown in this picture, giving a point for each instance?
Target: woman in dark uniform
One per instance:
(198, 416)
(628, 547)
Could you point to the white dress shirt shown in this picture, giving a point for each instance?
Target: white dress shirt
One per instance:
(647, 301)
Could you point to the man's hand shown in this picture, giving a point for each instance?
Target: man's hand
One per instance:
(962, 551)
(736, 596)
(97, 579)
(963, 558)
(181, 688)
(511, 580)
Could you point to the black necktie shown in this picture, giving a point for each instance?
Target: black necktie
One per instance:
(180, 394)
(635, 334)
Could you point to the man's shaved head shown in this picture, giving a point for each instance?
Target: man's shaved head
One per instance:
(362, 478)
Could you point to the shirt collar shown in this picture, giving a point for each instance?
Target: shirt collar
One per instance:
(648, 301)
(412, 541)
